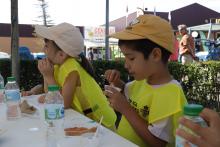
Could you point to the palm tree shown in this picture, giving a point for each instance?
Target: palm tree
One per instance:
(45, 16)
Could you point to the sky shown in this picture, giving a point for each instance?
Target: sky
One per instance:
(91, 12)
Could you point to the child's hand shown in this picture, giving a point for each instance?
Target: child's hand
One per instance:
(112, 76)
(46, 68)
(116, 99)
(41, 99)
(207, 136)
(26, 93)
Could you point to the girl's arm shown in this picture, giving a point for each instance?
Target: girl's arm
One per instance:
(69, 87)
(38, 89)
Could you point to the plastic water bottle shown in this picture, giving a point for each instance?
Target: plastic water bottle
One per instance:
(51, 136)
(191, 112)
(54, 114)
(2, 88)
(13, 99)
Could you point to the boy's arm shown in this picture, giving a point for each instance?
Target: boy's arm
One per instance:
(141, 128)
(120, 103)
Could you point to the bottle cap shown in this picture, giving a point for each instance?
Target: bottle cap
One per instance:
(10, 79)
(193, 109)
(53, 88)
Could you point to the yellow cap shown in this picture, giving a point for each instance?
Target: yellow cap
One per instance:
(149, 27)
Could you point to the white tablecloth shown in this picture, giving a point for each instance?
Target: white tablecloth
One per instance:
(31, 131)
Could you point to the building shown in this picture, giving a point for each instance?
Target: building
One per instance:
(191, 15)
(26, 38)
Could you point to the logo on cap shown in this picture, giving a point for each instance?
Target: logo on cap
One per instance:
(134, 22)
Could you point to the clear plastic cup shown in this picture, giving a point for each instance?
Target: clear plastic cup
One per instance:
(116, 88)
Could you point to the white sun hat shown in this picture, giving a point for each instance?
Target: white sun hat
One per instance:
(65, 35)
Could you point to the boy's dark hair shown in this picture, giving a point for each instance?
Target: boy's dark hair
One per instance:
(83, 62)
(145, 46)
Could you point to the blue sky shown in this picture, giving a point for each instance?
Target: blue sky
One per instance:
(91, 12)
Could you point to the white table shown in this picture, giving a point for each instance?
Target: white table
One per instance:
(31, 131)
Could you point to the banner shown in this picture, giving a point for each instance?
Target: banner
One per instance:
(97, 34)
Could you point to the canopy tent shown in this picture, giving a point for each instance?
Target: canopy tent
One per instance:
(88, 43)
(207, 32)
(205, 27)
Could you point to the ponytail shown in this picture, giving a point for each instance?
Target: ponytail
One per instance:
(86, 65)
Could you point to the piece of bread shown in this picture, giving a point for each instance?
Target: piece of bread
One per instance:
(26, 108)
(77, 131)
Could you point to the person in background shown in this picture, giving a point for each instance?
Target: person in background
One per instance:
(207, 137)
(152, 103)
(91, 54)
(174, 56)
(67, 67)
(186, 45)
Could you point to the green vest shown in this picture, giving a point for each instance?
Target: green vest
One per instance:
(88, 98)
(152, 104)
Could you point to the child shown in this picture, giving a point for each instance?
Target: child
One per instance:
(67, 67)
(154, 100)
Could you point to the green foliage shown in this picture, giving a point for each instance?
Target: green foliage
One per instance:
(29, 74)
(101, 66)
(200, 81)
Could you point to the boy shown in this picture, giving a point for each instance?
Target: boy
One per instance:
(154, 100)
(67, 67)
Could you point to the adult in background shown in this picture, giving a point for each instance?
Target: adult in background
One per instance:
(186, 45)
(91, 55)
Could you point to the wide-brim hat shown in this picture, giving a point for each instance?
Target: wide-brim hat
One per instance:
(150, 27)
(65, 35)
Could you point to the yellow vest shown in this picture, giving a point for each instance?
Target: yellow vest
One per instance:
(152, 104)
(88, 98)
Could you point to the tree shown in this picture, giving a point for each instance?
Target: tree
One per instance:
(45, 16)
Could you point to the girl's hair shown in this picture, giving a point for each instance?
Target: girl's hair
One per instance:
(86, 65)
(83, 61)
(145, 46)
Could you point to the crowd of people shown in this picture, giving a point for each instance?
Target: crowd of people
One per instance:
(150, 105)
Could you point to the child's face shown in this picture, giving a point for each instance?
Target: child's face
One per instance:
(137, 66)
(51, 51)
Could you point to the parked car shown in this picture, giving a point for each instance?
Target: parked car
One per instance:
(25, 53)
(39, 55)
(202, 55)
(4, 55)
(214, 50)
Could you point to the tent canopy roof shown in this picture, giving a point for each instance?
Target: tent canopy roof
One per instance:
(205, 27)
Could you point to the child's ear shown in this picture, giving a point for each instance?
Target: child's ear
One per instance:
(156, 54)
